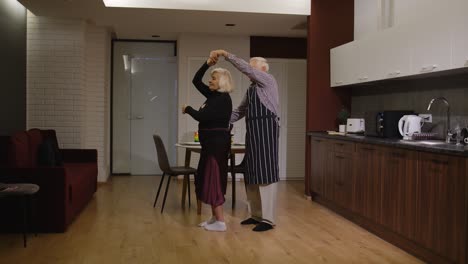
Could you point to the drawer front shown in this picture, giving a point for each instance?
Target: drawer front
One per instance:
(343, 146)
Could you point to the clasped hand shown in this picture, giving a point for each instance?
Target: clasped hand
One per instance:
(214, 56)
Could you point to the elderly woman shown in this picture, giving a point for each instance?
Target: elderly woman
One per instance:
(214, 134)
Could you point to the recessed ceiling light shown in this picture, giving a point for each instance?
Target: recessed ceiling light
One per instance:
(230, 25)
(155, 36)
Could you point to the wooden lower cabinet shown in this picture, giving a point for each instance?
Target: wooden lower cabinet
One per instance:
(441, 209)
(367, 184)
(319, 152)
(416, 200)
(340, 164)
(399, 170)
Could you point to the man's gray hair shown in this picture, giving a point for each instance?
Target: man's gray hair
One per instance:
(262, 61)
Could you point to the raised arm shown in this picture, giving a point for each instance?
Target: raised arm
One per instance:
(263, 79)
(197, 80)
(240, 111)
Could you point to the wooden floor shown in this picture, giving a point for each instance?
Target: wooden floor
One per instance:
(121, 226)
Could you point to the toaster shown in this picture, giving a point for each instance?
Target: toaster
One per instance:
(355, 125)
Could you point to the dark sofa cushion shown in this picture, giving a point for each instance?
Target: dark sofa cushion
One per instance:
(35, 140)
(4, 146)
(48, 155)
(19, 155)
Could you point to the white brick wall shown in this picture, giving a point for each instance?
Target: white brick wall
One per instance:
(67, 82)
(96, 91)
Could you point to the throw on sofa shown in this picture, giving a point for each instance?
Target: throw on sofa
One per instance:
(64, 190)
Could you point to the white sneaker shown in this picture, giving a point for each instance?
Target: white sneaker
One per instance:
(216, 226)
(207, 222)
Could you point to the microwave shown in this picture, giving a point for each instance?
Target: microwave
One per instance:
(384, 123)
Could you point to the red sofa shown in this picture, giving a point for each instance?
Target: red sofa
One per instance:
(64, 190)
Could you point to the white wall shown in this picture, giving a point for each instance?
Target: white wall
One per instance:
(97, 96)
(68, 83)
(193, 50)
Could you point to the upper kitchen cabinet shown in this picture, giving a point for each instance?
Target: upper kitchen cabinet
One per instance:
(431, 47)
(342, 64)
(367, 16)
(368, 59)
(404, 12)
(395, 53)
(460, 35)
(425, 36)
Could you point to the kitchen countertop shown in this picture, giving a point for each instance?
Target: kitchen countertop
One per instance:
(449, 149)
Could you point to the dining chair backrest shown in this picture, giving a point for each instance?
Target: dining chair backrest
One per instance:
(162, 155)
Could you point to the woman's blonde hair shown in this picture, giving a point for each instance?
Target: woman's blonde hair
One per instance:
(225, 80)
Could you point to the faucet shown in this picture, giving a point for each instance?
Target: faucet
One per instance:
(449, 131)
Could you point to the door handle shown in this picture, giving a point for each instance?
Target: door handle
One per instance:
(139, 117)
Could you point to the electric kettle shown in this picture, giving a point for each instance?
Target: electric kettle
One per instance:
(409, 125)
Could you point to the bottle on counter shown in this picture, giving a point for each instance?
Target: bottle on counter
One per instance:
(195, 137)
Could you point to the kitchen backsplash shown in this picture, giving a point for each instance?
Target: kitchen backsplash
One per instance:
(416, 95)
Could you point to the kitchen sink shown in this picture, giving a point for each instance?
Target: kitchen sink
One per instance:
(425, 142)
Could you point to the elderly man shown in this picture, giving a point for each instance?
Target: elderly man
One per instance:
(260, 106)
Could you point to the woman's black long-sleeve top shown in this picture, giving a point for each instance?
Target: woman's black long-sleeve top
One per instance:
(216, 111)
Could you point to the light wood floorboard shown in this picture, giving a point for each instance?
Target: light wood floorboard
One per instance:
(120, 226)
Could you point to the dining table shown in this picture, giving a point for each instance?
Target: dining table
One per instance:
(236, 148)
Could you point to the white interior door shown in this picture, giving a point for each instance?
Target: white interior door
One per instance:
(153, 100)
(291, 76)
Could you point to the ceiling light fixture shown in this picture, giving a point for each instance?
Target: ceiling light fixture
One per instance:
(290, 7)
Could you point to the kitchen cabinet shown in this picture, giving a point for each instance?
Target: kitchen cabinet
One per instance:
(427, 36)
(339, 167)
(367, 65)
(394, 48)
(414, 199)
(343, 64)
(459, 35)
(367, 14)
(404, 12)
(431, 47)
(440, 215)
(319, 152)
(367, 182)
(399, 184)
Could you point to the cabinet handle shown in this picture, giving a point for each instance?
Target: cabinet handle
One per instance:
(397, 73)
(340, 144)
(339, 82)
(339, 157)
(435, 66)
(441, 162)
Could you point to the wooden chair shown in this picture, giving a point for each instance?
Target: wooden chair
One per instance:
(170, 171)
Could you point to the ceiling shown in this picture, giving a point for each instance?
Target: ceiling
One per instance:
(136, 23)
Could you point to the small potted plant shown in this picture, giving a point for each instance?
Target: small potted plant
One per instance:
(342, 117)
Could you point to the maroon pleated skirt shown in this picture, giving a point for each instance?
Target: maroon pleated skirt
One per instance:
(211, 181)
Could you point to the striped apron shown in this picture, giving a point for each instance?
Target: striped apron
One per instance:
(262, 141)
